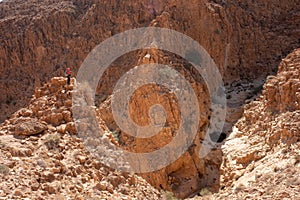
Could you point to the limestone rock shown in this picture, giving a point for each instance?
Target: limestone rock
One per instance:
(81, 159)
(54, 118)
(100, 186)
(18, 192)
(47, 177)
(67, 116)
(214, 24)
(71, 128)
(24, 112)
(49, 188)
(259, 153)
(29, 128)
(61, 128)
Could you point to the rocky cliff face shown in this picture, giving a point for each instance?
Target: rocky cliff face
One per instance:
(189, 173)
(41, 159)
(39, 149)
(52, 35)
(261, 156)
(40, 39)
(269, 137)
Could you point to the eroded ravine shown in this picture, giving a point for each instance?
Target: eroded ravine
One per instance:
(52, 35)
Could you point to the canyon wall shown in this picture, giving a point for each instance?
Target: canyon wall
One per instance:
(261, 156)
(40, 39)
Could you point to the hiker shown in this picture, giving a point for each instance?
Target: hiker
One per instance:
(68, 74)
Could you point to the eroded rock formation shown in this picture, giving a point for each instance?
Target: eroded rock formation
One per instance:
(40, 39)
(189, 173)
(53, 34)
(261, 156)
(41, 159)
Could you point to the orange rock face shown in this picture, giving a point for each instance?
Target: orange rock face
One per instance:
(187, 174)
(41, 152)
(245, 39)
(53, 35)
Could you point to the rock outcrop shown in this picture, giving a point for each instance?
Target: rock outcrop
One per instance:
(261, 156)
(30, 127)
(52, 35)
(239, 35)
(41, 159)
(188, 174)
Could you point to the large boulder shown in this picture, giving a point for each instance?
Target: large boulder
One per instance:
(28, 128)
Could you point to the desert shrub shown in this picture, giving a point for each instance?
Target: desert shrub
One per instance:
(4, 169)
(168, 195)
(2, 144)
(204, 191)
(52, 141)
(115, 134)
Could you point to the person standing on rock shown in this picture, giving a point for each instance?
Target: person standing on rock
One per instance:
(68, 74)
